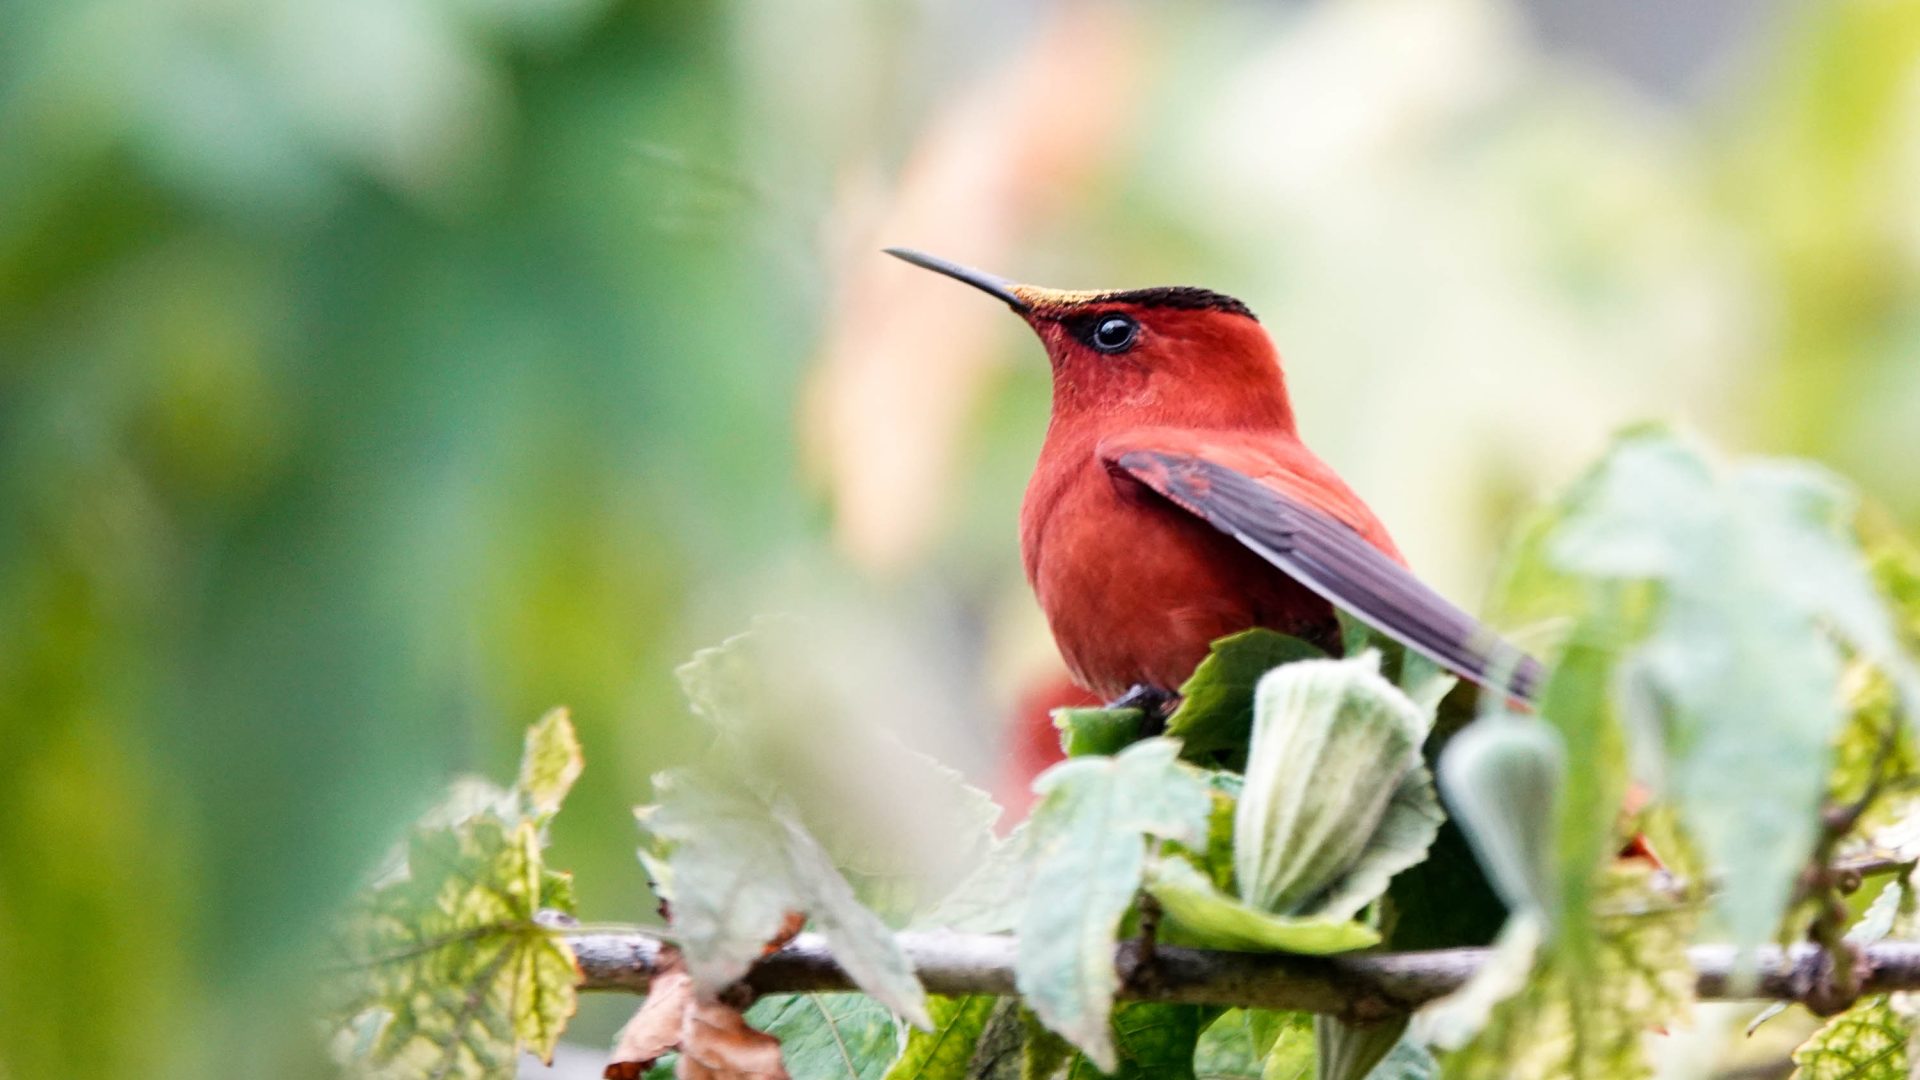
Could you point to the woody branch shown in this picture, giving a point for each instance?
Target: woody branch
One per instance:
(1356, 987)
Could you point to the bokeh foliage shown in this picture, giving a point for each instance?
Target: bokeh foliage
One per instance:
(374, 375)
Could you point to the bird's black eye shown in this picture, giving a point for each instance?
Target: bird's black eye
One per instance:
(1113, 333)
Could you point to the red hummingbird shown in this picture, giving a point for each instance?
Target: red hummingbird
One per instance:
(1174, 502)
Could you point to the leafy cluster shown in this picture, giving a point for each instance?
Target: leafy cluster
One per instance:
(1730, 680)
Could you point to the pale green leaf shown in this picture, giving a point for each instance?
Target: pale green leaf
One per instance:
(1756, 579)
(829, 1036)
(1502, 776)
(1867, 1042)
(738, 865)
(989, 900)
(1402, 839)
(1332, 742)
(1877, 921)
(801, 727)
(946, 1050)
(1088, 851)
(550, 763)
(1200, 914)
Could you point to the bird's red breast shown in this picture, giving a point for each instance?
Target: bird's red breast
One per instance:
(1134, 588)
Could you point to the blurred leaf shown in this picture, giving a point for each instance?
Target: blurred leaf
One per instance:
(989, 900)
(738, 866)
(1757, 572)
(1096, 731)
(1502, 777)
(1203, 915)
(1448, 1023)
(550, 763)
(1895, 565)
(1867, 1042)
(1215, 715)
(1322, 823)
(1088, 854)
(1578, 1021)
(945, 1050)
(1877, 921)
(797, 724)
(831, 1036)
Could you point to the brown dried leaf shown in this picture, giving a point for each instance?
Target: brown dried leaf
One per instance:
(655, 1028)
(717, 1044)
(714, 1040)
(789, 929)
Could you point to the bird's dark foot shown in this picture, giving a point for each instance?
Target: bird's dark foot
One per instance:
(1155, 706)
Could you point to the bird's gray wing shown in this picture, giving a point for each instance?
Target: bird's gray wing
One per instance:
(1329, 557)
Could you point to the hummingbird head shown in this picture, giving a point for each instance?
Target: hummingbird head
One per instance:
(1170, 355)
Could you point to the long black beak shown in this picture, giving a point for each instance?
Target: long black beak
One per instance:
(991, 284)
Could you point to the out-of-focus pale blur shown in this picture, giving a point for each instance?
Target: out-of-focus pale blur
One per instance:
(375, 374)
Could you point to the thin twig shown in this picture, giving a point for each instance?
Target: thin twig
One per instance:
(1360, 987)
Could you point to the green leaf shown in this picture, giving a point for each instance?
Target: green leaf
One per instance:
(1424, 682)
(1215, 716)
(550, 763)
(452, 974)
(1867, 1042)
(738, 865)
(1503, 777)
(1088, 853)
(830, 1036)
(1154, 1040)
(945, 1051)
(1333, 743)
(1093, 731)
(1256, 1044)
(1202, 915)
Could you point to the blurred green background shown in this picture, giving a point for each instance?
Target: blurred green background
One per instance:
(375, 374)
